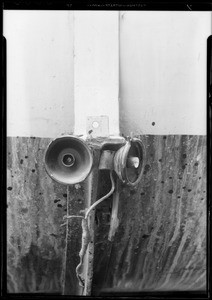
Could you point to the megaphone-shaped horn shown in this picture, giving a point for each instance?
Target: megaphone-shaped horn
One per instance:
(129, 161)
(68, 160)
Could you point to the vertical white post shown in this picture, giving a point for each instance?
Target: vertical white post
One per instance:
(96, 91)
(96, 68)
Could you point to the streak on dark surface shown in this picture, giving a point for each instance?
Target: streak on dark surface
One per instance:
(161, 240)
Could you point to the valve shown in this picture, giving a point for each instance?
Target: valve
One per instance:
(127, 161)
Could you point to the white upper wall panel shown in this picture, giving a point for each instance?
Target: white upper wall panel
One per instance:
(163, 72)
(96, 67)
(40, 94)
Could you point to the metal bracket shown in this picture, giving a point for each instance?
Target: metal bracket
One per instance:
(97, 126)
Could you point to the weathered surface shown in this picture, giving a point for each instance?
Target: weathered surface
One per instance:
(91, 192)
(161, 240)
(70, 285)
(42, 254)
(36, 206)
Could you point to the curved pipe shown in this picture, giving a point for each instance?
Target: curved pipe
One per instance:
(103, 198)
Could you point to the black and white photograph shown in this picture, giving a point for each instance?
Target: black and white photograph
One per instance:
(106, 150)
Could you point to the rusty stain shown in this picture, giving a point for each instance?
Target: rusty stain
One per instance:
(56, 200)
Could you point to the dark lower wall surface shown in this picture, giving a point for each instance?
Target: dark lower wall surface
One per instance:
(161, 240)
(35, 209)
(160, 243)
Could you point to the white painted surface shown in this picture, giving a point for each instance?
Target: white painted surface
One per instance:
(163, 72)
(40, 95)
(96, 67)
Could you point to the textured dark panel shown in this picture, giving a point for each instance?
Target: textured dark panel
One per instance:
(36, 206)
(161, 240)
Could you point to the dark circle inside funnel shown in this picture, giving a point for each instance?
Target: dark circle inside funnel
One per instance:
(68, 160)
